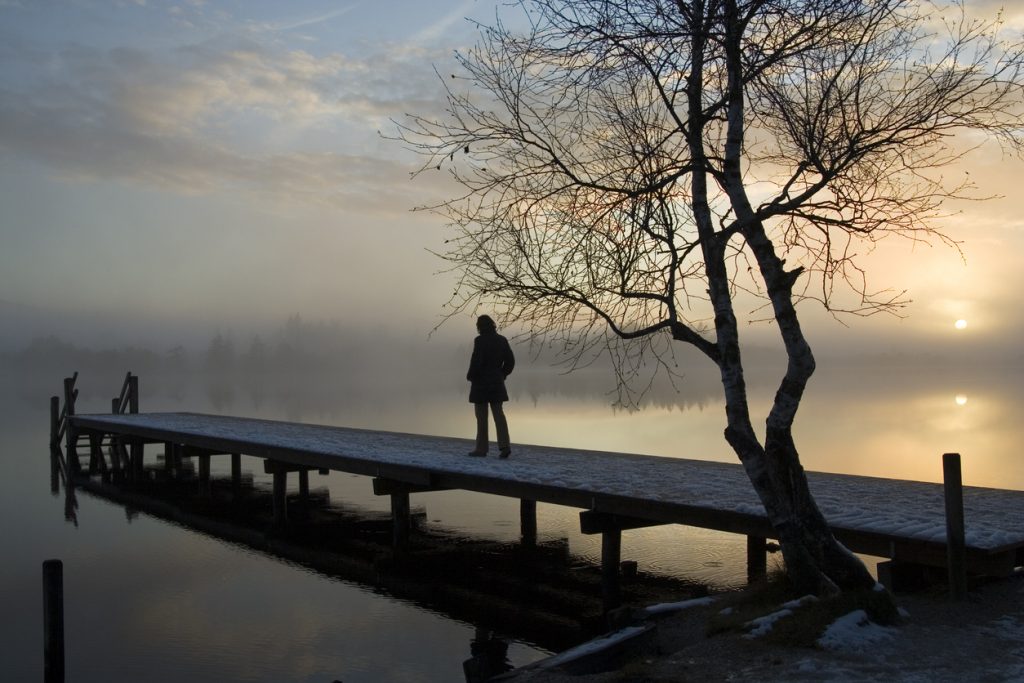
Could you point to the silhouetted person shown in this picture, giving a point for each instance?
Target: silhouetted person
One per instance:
(491, 363)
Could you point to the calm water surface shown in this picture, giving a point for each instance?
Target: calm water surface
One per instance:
(148, 600)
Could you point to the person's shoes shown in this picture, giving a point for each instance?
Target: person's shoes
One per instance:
(505, 452)
(477, 454)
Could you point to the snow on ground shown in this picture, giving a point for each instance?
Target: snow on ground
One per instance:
(670, 607)
(854, 632)
(915, 509)
(763, 625)
(939, 641)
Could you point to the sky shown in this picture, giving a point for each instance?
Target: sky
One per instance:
(175, 168)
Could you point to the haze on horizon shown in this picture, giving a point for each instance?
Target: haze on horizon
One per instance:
(171, 170)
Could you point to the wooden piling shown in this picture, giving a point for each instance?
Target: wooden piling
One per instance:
(757, 558)
(956, 551)
(204, 474)
(53, 621)
(528, 522)
(69, 410)
(137, 454)
(611, 554)
(236, 471)
(54, 421)
(169, 457)
(280, 497)
(400, 520)
(54, 470)
(133, 394)
(96, 460)
(304, 485)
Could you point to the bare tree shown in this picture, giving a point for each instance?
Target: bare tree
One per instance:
(634, 168)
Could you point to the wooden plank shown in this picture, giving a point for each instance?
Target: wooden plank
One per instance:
(272, 466)
(594, 522)
(387, 487)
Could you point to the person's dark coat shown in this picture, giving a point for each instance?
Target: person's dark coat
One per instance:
(491, 363)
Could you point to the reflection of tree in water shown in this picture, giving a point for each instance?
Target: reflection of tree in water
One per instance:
(221, 395)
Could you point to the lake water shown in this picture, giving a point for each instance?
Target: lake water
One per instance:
(149, 600)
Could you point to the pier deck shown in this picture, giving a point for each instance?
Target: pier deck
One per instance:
(896, 519)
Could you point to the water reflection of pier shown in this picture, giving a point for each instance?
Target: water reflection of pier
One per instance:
(529, 591)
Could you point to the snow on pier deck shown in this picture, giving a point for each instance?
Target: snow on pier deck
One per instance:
(898, 519)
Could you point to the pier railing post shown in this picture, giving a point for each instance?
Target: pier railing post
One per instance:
(952, 483)
(133, 394)
(53, 621)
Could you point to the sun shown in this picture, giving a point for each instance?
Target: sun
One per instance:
(960, 324)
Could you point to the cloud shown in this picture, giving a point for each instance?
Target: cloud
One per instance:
(223, 113)
(310, 21)
(432, 32)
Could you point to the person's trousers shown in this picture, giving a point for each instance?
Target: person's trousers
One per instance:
(500, 425)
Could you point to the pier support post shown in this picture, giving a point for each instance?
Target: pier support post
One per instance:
(304, 486)
(204, 474)
(280, 497)
(956, 554)
(70, 435)
(400, 520)
(757, 558)
(610, 526)
(96, 460)
(53, 621)
(136, 454)
(528, 522)
(236, 471)
(611, 556)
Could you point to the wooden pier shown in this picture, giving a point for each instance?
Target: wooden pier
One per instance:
(903, 521)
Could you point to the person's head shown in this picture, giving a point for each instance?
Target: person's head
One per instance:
(485, 324)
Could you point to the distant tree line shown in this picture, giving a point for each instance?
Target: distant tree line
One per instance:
(296, 347)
